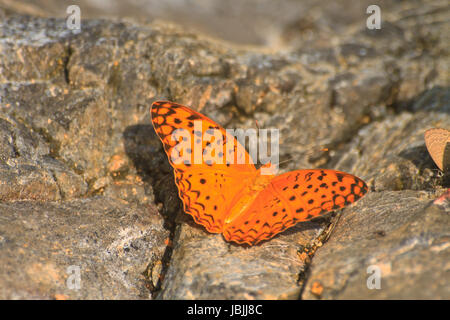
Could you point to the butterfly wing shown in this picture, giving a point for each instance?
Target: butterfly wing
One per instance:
(167, 117)
(437, 141)
(207, 188)
(293, 197)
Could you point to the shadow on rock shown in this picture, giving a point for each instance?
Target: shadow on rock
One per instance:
(145, 151)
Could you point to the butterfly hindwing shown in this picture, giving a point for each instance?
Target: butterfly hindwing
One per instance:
(206, 195)
(318, 191)
(293, 197)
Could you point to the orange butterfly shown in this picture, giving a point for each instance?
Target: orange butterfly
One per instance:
(233, 197)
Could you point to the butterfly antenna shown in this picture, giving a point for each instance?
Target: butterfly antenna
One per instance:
(287, 160)
(257, 125)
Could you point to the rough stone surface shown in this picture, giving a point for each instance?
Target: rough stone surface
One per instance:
(203, 266)
(408, 243)
(110, 242)
(84, 180)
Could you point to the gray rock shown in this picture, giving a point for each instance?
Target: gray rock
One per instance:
(111, 243)
(204, 266)
(401, 234)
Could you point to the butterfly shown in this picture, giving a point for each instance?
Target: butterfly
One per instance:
(228, 194)
(438, 144)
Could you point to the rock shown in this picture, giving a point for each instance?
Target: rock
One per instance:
(28, 170)
(392, 155)
(204, 266)
(110, 242)
(398, 233)
(84, 180)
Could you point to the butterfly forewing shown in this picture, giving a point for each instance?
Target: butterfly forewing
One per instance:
(171, 120)
(206, 188)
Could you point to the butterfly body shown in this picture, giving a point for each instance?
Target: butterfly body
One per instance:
(229, 195)
(245, 198)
